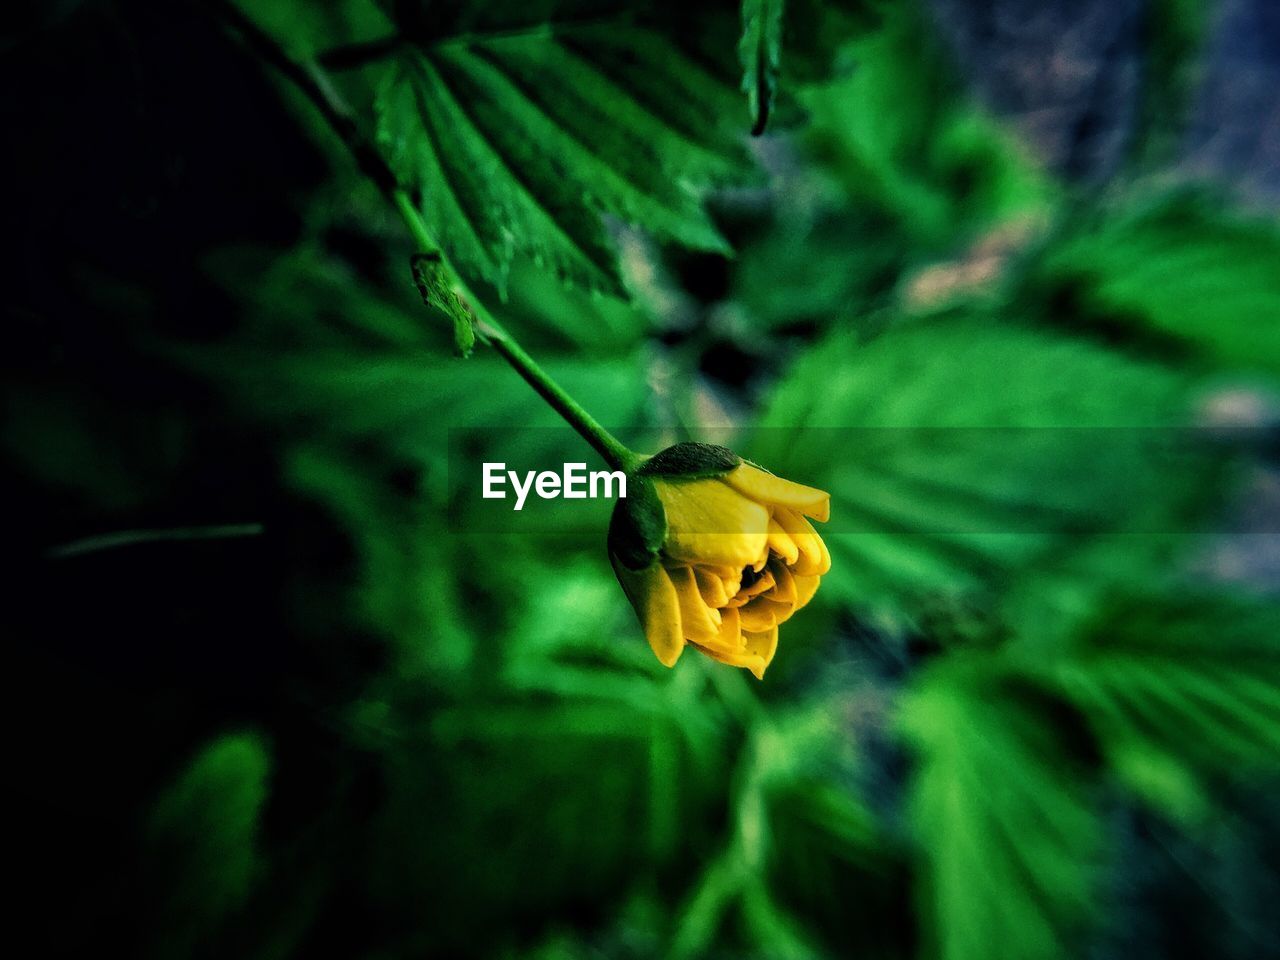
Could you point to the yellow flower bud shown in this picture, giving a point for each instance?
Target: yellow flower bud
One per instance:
(738, 559)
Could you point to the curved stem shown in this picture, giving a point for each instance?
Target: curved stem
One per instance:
(311, 79)
(614, 453)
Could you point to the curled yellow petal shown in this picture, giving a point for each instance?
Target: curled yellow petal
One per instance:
(698, 621)
(806, 587)
(712, 587)
(723, 572)
(781, 611)
(764, 487)
(729, 640)
(812, 556)
(737, 658)
(654, 598)
(762, 646)
(762, 584)
(782, 544)
(784, 590)
(710, 523)
(758, 615)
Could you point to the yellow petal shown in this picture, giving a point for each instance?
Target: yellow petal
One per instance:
(764, 487)
(714, 592)
(738, 658)
(733, 584)
(781, 544)
(806, 587)
(730, 577)
(763, 646)
(752, 650)
(710, 523)
(813, 556)
(784, 590)
(699, 622)
(729, 640)
(781, 611)
(653, 596)
(826, 557)
(758, 615)
(723, 572)
(762, 585)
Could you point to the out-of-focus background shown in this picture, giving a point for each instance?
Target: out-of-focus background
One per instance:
(271, 699)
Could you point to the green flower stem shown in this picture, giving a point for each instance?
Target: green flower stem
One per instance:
(312, 81)
(614, 453)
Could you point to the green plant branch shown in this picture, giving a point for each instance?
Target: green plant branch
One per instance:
(314, 83)
(129, 538)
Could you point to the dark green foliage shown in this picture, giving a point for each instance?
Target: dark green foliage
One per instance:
(969, 451)
(202, 841)
(1172, 697)
(760, 51)
(1009, 843)
(1174, 269)
(906, 141)
(1034, 709)
(519, 131)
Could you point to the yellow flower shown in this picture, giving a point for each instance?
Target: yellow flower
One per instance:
(734, 558)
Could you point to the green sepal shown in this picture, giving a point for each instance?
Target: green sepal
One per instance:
(436, 287)
(691, 460)
(638, 527)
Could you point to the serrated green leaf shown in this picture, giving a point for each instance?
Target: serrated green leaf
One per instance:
(520, 134)
(1177, 268)
(760, 53)
(963, 452)
(1006, 833)
(1179, 687)
(905, 141)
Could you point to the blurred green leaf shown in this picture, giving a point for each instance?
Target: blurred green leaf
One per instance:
(202, 840)
(594, 789)
(794, 803)
(968, 450)
(521, 124)
(310, 28)
(1176, 30)
(1176, 687)
(1006, 835)
(816, 272)
(1178, 268)
(903, 139)
(351, 365)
